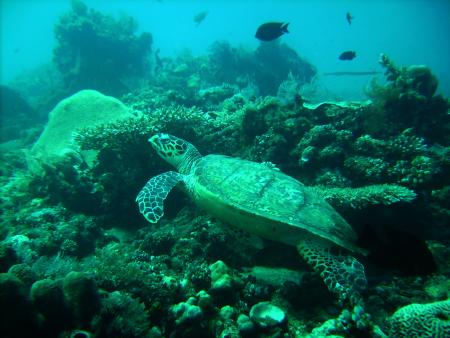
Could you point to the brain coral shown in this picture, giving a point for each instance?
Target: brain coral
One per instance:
(83, 109)
(421, 320)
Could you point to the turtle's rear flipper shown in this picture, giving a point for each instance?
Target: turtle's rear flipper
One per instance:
(342, 274)
(151, 198)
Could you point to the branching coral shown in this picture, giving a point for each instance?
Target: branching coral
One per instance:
(116, 135)
(135, 131)
(403, 159)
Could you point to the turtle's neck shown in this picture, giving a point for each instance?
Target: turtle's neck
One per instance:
(191, 156)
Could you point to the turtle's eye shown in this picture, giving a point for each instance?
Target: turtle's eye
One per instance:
(164, 139)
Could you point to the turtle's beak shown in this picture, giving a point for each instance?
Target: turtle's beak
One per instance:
(155, 141)
(153, 138)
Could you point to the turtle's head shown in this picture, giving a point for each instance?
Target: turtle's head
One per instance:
(179, 153)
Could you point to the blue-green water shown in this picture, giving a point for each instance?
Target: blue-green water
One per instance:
(411, 32)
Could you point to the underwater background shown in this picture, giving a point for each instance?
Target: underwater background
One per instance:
(348, 97)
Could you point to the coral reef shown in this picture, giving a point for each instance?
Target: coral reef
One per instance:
(97, 51)
(257, 72)
(409, 100)
(274, 62)
(77, 260)
(42, 86)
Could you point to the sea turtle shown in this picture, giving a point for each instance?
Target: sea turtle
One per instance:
(262, 200)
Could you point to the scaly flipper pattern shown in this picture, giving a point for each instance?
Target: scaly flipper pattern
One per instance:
(151, 198)
(342, 274)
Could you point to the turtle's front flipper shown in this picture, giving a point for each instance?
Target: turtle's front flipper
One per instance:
(342, 274)
(151, 198)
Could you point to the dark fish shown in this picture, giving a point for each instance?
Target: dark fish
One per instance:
(349, 18)
(271, 31)
(348, 55)
(198, 19)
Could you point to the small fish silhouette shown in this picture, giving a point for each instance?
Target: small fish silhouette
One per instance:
(198, 19)
(348, 55)
(349, 18)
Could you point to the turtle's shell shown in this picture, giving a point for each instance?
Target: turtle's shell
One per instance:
(266, 202)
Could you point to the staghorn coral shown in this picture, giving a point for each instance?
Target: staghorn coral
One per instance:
(421, 320)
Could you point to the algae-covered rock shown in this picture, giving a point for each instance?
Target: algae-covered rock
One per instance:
(48, 298)
(87, 108)
(82, 295)
(16, 308)
(275, 276)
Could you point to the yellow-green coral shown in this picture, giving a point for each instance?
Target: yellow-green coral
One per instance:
(421, 320)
